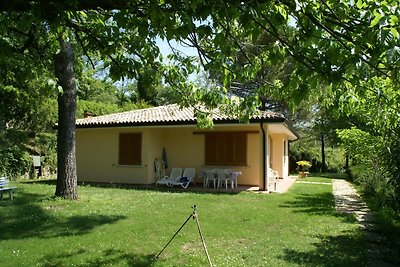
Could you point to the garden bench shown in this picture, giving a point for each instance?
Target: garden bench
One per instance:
(4, 187)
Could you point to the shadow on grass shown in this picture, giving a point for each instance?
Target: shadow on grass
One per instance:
(40, 181)
(316, 203)
(195, 189)
(107, 258)
(25, 217)
(341, 176)
(342, 250)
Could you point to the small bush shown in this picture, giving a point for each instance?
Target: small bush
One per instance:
(14, 162)
(17, 148)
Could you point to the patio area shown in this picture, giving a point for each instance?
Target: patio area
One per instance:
(280, 186)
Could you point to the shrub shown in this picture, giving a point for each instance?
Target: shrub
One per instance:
(375, 165)
(17, 148)
(14, 162)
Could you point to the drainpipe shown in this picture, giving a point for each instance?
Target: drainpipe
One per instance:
(264, 157)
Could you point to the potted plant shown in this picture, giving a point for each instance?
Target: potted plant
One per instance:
(303, 166)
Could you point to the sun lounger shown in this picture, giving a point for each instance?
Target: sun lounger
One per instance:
(186, 179)
(176, 174)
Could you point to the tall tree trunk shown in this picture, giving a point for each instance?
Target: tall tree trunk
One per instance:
(323, 165)
(66, 161)
(347, 166)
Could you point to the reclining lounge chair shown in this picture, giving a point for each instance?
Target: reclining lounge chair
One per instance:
(176, 174)
(186, 179)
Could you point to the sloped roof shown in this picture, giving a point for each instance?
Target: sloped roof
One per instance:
(166, 115)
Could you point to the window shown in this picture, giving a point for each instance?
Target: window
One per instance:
(226, 149)
(130, 149)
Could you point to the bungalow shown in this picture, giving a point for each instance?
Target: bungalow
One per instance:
(122, 147)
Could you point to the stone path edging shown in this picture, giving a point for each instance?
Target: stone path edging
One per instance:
(347, 200)
(305, 182)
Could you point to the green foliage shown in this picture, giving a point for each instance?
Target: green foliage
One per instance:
(349, 43)
(90, 87)
(17, 148)
(137, 105)
(335, 159)
(362, 146)
(45, 145)
(391, 161)
(30, 106)
(95, 107)
(373, 165)
(148, 85)
(14, 162)
(14, 159)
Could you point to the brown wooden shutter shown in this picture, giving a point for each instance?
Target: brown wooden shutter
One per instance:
(130, 149)
(210, 149)
(240, 152)
(136, 149)
(226, 149)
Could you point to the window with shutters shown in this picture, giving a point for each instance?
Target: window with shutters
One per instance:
(130, 149)
(226, 149)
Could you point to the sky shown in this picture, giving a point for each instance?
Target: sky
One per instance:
(166, 50)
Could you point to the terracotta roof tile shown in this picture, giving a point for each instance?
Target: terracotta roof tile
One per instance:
(169, 114)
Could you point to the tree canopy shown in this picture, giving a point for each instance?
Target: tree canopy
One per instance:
(345, 50)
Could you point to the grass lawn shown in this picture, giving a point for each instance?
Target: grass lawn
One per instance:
(128, 227)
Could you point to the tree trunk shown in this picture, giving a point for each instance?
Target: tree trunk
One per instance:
(347, 166)
(66, 161)
(323, 163)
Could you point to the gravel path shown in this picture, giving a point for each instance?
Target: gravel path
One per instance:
(347, 200)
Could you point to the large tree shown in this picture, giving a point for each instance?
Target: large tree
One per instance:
(339, 43)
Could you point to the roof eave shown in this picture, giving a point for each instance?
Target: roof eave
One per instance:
(171, 123)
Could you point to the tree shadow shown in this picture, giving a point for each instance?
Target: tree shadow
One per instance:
(40, 181)
(193, 189)
(108, 257)
(342, 250)
(316, 203)
(27, 218)
(346, 249)
(340, 176)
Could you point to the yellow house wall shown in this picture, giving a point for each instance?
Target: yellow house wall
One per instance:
(97, 153)
(185, 149)
(285, 171)
(97, 157)
(279, 161)
(153, 147)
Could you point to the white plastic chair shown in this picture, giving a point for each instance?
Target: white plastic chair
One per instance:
(273, 179)
(273, 173)
(222, 178)
(176, 174)
(210, 176)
